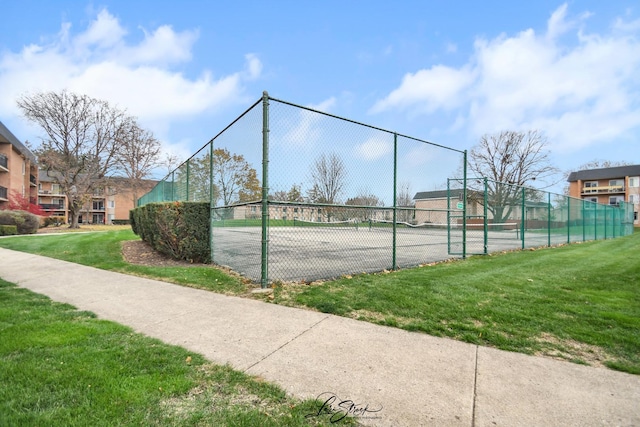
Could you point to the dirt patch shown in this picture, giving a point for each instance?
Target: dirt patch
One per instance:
(567, 349)
(141, 253)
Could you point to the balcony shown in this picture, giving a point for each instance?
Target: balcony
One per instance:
(52, 206)
(603, 189)
(32, 180)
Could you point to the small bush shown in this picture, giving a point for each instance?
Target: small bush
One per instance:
(178, 229)
(8, 230)
(56, 221)
(25, 222)
(120, 222)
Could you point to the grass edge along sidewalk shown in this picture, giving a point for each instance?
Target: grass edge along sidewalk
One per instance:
(577, 302)
(63, 367)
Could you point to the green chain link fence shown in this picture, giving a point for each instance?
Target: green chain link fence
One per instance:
(298, 195)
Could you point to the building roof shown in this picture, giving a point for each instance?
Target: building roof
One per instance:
(604, 173)
(438, 194)
(11, 138)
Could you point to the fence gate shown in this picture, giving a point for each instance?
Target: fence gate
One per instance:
(466, 233)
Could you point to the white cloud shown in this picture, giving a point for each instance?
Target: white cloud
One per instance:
(99, 61)
(580, 88)
(306, 131)
(373, 149)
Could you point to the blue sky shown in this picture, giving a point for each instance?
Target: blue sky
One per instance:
(446, 72)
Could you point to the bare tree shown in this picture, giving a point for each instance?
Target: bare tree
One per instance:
(404, 199)
(365, 201)
(234, 178)
(328, 176)
(78, 148)
(138, 154)
(509, 160)
(170, 162)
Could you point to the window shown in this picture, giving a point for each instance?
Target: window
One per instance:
(634, 198)
(615, 200)
(592, 199)
(634, 181)
(589, 185)
(55, 188)
(24, 167)
(112, 204)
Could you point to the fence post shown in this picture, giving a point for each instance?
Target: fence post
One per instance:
(211, 201)
(464, 207)
(548, 219)
(486, 220)
(522, 216)
(264, 273)
(173, 185)
(394, 264)
(188, 171)
(584, 222)
(569, 219)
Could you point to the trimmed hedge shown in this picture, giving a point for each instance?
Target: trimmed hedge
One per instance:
(25, 222)
(53, 220)
(178, 229)
(8, 230)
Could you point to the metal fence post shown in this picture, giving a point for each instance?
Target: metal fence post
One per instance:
(464, 207)
(188, 171)
(548, 219)
(568, 200)
(522, 216)
(394, 264)
(211, 201)
(486, 220)
(264, 272)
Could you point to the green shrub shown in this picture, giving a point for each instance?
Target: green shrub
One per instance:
(178, 229)
(8, 230)
(53, 220)
(25, 222)
(120, 222)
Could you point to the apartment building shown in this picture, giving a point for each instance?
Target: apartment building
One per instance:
(608, 186)
(107, 205)
(18, 168)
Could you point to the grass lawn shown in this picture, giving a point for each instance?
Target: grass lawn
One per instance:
(63, 367)
(579, 302)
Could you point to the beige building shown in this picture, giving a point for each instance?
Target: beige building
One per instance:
(107, 204)
(608, 186)
(18, 169)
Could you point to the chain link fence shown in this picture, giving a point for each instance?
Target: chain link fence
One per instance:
(298, 194)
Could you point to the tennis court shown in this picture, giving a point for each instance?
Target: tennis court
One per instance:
(324, 250)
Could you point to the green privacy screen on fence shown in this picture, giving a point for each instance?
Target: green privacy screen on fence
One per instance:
(298, 195)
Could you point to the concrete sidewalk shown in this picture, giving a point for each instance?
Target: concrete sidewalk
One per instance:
(411, 379)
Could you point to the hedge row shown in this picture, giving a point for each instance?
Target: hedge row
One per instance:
(8, 230)
(25, 222)
(178, 229)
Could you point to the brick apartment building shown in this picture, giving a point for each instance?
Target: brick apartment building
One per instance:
(608, 186)
(107, 205)
(18, 169)
(19, 173)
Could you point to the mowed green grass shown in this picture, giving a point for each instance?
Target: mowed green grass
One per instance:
(579, 302)
(104, 250)
(63, 367)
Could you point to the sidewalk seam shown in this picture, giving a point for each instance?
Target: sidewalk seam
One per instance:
(475, 388)
(287, 343)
